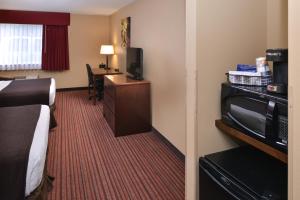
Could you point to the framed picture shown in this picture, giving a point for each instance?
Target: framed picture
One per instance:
(125, 32)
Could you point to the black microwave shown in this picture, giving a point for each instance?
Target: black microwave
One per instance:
(257, 113)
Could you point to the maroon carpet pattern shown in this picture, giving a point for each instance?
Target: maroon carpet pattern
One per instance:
(89, 163)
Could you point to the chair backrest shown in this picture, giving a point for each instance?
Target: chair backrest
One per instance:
(89, 72)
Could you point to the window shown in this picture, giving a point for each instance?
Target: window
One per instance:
(20, 46)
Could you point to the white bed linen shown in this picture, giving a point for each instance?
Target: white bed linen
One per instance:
(52, 90)
(38, 150)
(4, 84)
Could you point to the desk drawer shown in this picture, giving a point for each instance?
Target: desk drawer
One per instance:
(109, 116)
(109, 102)
(109, 88)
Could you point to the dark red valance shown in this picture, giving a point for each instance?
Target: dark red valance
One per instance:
(33, 17)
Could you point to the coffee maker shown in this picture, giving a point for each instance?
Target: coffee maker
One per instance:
(279, 57)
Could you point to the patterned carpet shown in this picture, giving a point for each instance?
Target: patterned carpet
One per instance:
(89, 163)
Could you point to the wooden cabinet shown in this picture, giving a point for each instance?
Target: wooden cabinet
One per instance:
(126, 105)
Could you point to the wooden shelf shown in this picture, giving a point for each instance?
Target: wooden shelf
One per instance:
(251, 141)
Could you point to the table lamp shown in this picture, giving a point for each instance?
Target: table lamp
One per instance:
(107, 50)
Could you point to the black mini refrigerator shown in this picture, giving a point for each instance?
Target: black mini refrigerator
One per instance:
(242, 173)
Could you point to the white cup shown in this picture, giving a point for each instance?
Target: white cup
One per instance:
(261, 64)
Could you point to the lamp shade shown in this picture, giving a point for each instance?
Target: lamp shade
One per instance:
(107, 50)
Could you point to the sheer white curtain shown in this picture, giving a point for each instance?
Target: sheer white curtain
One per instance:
(20, 46)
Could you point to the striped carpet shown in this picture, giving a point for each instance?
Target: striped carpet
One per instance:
(89, 163)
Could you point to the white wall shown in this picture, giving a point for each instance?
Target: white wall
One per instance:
(191, 158)
(294, 99)
(228, 32)
(159, 28)
(277, 23)
(235, 32)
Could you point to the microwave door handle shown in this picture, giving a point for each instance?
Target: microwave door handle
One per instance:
(271, 120)
(244, 127)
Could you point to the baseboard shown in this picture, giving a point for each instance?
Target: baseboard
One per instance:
(178, 153)
(71, 89)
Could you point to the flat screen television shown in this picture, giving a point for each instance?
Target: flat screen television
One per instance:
(134, 63)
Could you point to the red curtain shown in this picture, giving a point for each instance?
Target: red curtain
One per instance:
(55, 55)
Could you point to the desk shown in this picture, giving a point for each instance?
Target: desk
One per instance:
(100, 73)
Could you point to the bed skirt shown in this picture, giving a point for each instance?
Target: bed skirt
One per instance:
(41, 192)
(46, 185)
(53, 122)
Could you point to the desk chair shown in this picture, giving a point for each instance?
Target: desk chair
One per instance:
(99, 83)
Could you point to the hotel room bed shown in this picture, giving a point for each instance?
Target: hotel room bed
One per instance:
(33, 127)
(38, 151)
(27, 92)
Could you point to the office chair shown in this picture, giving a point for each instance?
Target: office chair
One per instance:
(99, 83)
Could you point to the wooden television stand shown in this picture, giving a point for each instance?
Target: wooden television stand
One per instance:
(126, 106)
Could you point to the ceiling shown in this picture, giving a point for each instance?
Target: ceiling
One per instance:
(92, 7)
